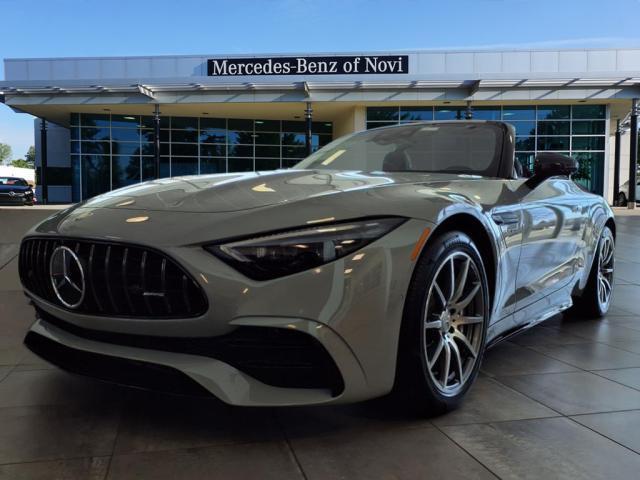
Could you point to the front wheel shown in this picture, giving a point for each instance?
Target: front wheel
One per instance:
(444, 326)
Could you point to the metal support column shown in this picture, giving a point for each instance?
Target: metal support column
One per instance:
(633, 154)
(156, 139)
(308, 115)
(43, 162)
(616, 164)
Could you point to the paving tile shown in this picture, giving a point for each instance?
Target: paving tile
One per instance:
(94, 468)
(400, 453)
(264, 461)
(154, 422)
(542, 335)
(545, 448)
(7, 252)
(54, 387)
(627, 376)
(511, 359)
(4, 371)
(621, 427)
(600, 330)
(491, 401)
(9, 279)
(627, 271)
(55, 432)
(591, 356)
(626, 297)
(574, 393)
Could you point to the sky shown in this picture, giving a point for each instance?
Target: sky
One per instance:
(58, 28)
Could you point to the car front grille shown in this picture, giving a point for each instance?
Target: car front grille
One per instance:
(121, 280)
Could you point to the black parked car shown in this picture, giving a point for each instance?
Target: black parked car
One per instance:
(16, 191)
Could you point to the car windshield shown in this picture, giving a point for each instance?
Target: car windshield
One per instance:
(13, 181)
(465, 148)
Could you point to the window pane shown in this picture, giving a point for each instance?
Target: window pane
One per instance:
(590, 171)
(184, 123)
(213, 150)
(294, 152)
(486, 113)
(383, 113)
(75, 147)
(165, 135)
(94, 120)
(213, 123)
(291, 126)
(185, 136)
(288, 163)
(183, 150)
(149, 135)
(588, 143)
(213, 165)
(94, 134)
(74, 133)
(74, 119)
(95, 147)
(130, 121)
(165, 149)
(262, 151)
(267, 125)
(125, 170)
(95, 175)
(450, 113)
(586, 127)
(553, 112)
(322, 127)
(416, 113)
(553, 143)
(148, 149)
(244, 138)
(267, 164)
(124, 148)
(268, 138)
(184, 166)
(525, 143)
(240, 165)
(324, 139)
(524, 128)
(553, 128)
(241, 151)
(526, 159)
(589, 111)
(149, 168)
(125, 134)
(240, 124)
(518, 113)
(213, 136)
(294, 139)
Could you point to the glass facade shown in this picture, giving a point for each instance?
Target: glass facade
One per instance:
(576, 130)
(110, 151)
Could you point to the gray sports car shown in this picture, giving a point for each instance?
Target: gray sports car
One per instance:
(388, 261)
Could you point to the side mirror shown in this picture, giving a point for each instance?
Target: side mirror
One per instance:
(551, 164)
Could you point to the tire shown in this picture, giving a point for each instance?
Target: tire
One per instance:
(590, 304)
(622, 199)
(431, 333)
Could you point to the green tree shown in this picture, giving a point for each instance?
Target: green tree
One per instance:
(21, 163)
(5, 153)
(30, 157)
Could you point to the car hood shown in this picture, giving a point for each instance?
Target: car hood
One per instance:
(244, 191)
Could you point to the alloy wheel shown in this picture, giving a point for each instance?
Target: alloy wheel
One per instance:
(454, 323)
(605, 271)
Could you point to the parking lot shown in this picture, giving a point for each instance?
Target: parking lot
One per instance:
(560, 401)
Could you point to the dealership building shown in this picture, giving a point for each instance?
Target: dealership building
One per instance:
(103, 123)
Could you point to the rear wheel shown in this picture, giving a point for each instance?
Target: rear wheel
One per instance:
(444, 326)
(596, 297)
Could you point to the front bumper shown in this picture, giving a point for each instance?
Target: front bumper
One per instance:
(351, 307)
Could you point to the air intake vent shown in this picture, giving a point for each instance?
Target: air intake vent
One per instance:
(119, 280)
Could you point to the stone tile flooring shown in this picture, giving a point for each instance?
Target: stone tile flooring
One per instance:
(560, 401)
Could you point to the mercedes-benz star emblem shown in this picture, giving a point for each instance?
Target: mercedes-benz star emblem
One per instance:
(67, 277)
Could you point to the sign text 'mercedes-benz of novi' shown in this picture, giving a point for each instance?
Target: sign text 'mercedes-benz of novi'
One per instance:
(342, 65)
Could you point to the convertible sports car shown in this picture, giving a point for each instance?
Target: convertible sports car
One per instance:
(389, 260)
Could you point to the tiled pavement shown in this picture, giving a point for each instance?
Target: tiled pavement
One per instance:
(560, 401)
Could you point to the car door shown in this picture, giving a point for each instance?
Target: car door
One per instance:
(552, 235)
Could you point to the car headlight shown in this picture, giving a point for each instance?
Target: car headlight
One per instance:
(280, 254)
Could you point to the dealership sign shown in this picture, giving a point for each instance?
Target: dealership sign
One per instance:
(342, 65)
